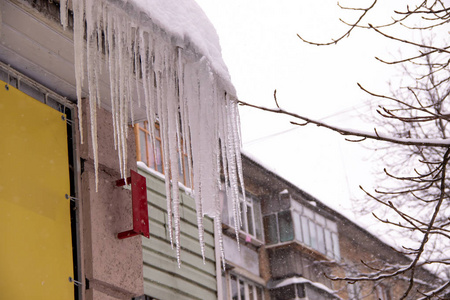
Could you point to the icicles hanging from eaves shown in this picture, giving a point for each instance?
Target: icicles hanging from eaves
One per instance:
(184, 95)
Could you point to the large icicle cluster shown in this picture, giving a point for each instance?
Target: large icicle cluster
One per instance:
(176, 86)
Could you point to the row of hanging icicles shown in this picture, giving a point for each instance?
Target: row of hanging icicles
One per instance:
(146, 72)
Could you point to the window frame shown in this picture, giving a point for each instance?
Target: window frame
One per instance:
(324, 230)
(157, 157)
(254, 204)
(249, 288)
(309, 228)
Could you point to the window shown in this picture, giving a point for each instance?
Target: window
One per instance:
(278, 227)
(305, 226)
(151, 152)
(239, 288)
(251, 218)
(286, 228)
(316, 232)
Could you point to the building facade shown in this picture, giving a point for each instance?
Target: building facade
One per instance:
(304, 245)
(70, 225)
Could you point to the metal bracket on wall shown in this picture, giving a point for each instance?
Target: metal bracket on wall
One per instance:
(139, 203)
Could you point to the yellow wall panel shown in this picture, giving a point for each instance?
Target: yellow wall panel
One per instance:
(35, 237)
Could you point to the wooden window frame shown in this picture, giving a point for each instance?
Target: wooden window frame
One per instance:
(185, 175)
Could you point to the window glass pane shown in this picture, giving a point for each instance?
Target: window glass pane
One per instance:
(328, 243)
(285, 226)
(297, 226)
(225, 288)
(243, 217)
(300, 290)
(158, 157)
(151, 153)
(320, 239)
(226, 211)
(285, 200)
(234, 288)
(308, 213)
(251, 292)
(337, 254)
(242, 289)
(270, 229)
(142, 147)
(250, 220)
(187, 172)
(320, 220)
(257, 216)
(332, 226)
(180, 168)
(312, 234)
(305, 231)
(259, 293)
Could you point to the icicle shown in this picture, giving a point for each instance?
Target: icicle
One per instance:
(110, 56)
(92, 67)
(173, 147)
(78, 37)
(218, 226)
(96, 44)
(234, 190)
(137, 67)
(63, 13)
(193, 112)
(162, 113)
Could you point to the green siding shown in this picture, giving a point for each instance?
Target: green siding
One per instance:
(162, 277)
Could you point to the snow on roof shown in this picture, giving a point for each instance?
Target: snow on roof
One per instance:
(186, 21)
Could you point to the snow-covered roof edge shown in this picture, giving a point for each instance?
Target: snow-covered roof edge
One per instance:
(187, 26)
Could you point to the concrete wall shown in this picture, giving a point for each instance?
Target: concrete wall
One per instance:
(113, 267)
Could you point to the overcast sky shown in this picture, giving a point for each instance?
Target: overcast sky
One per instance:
(262, 51)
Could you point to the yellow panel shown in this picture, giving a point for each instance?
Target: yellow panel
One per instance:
(35, 248)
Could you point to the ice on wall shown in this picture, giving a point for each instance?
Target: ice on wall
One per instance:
(163, 57)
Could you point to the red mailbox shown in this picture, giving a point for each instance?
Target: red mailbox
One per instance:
(140, 208)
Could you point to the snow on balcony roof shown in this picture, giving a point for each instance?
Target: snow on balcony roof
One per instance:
(295, 279)
(185, 21)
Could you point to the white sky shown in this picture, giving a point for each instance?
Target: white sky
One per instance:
(262, 51)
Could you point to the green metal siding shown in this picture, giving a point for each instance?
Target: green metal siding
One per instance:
(162, 277)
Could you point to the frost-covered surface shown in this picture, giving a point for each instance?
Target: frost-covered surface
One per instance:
(163, 58)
